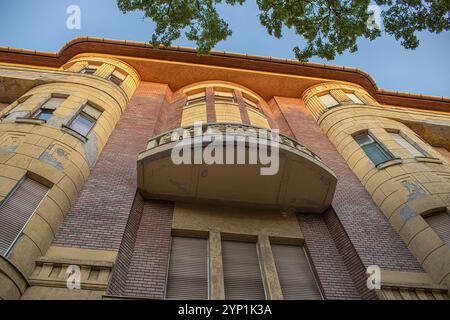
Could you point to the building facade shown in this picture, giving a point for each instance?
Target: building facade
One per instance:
(93, 205)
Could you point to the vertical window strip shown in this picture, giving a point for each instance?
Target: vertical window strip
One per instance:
(414, 150)
(188, 269)
(373, 149)
(242, 272)
(294, 273)
(17, 209)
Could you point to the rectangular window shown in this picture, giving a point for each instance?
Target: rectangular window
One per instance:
(329, 101)
(294, 273)
(196, 99)
(242, 272)
(85, 121)
(17, 209)
(89, 70)
(45, 112)
(373, 149)
(116, 77)
(188, 269)
(440, 223)
(221, 96)
(15, 112)
(415, 150)
(354, 98)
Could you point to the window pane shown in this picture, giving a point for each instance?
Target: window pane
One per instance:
(82, 125)
(89, 70)
(376, 153)
(44, 114)
(328, 100)
(354, 98)
(405, 144)
(364, 139)
(115, 80)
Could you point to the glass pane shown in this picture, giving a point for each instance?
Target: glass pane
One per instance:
(405, 144)
(363, 139)
(88, 70)
(328, 100)
(354, 98)
(376, 153)
(82, 125)
(44, 115)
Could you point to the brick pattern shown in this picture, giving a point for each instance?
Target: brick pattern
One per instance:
(171, 114)
(148, 267)
(370, 233)
(100, 214)
(141, 267)
(242, 107)
(278, 121)
(328, 263)
(353, 263)
(210, 105)
(120, 271)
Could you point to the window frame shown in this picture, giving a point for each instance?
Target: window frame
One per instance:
(376, 142)
(18, 103)
(356, 96)
(89, 67)
(424, 153)
(208, 261)
(338, 103)
(41, 107)
(82, 113)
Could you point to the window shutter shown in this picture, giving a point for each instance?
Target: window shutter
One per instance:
(17, 210)
(242, 273)
(441, 225)
(295, 275)
(188, 269)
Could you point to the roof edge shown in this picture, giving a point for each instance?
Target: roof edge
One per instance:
(69, 50)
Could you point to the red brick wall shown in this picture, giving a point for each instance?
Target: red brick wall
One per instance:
(352, 261)
(327, 261)
(171, 113)
(121, 267)
(140, 270)
(370, 233)
(100, 214)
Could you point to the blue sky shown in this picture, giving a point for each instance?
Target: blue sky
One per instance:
(41, 25)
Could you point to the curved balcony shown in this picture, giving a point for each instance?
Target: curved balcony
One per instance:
(290, 177)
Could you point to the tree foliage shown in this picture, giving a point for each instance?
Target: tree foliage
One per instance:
(329, 26)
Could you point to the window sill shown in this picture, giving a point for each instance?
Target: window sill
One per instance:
(389, 163)
(73, 133)
(429, 159)
(30, 121)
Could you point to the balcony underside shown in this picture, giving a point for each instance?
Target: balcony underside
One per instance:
(302, 182)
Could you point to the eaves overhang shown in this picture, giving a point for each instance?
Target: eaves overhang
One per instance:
(137, 54)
